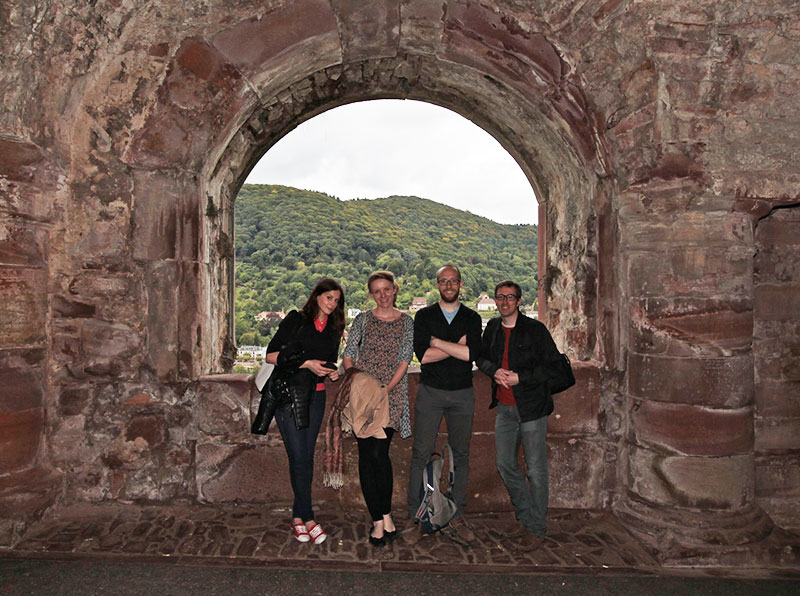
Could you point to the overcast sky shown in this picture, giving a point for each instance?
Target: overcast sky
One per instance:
(375, 149)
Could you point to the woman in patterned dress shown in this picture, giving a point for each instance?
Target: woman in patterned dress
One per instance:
(380, 342)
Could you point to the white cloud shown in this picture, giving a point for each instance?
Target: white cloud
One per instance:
(394, 147)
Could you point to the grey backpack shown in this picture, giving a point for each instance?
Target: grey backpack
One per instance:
(436, 508)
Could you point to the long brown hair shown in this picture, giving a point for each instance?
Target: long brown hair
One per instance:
(310, 309)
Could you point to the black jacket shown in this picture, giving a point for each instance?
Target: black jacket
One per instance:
(531, 349)
(297, 341)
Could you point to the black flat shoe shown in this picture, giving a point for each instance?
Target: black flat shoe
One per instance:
(377, 542)
(390, 536)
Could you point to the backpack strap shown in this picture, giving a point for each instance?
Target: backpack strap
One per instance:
(451, 466)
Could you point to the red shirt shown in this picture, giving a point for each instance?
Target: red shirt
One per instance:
(320, 327)
(505, 395)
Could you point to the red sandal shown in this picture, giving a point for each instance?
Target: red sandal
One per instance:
(301, 532)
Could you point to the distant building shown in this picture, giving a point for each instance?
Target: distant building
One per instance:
(485, 303)
(417, 304)
(254, 351)
(352, 313)
(267, 313)
(531, 312)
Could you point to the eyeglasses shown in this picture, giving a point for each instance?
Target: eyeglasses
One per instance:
(448, 282)
(506, 298)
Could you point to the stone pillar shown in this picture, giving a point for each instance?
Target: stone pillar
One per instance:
(689, 479)
(26, 486)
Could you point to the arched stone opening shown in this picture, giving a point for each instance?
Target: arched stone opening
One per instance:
(127, 146)
(558, 174)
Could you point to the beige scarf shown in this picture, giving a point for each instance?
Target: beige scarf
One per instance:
(361, 407)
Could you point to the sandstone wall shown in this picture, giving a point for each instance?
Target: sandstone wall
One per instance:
(656, 135)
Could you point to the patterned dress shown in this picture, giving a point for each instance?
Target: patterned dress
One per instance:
(378, 347)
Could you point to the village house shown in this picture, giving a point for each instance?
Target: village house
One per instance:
(485, 303)
(418, 304)
(267, 313)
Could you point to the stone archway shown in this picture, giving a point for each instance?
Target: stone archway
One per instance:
(121, 155)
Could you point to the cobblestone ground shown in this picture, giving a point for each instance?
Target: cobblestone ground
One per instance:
(578, 541)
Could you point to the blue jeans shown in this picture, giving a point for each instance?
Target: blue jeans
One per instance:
(458, 409)
(300, 445)
(528, 496)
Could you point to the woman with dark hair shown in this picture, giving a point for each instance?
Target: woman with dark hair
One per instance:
(307, 341)
(380, 343)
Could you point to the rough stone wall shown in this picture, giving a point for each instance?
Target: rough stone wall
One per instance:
(776, 347)
(654, 133)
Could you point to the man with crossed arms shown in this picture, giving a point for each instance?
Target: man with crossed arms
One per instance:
(447, 338)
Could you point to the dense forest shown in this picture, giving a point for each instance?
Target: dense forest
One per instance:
(287, 239)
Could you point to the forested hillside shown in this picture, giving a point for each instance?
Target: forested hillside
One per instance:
(287, 239)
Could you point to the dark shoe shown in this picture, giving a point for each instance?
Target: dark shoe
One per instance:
(390, 536)
(378, 542)
(527, 543)
(460, 531)
(512, 534)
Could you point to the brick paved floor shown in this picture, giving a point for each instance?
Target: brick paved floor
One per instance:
(578, 541)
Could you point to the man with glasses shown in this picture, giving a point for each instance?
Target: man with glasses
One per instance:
(447, 338)
(515, 351)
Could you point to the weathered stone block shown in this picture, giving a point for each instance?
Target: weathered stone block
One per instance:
(201, 86)
(713, 382)
(73, 400)
(691, 271)
(68, 442)
(163, 308)
(152, 429)
(689, 327)
(576, 409)
(778, 398)
(577, 473)
(778, 475)
(110, 348)
(703, 482)
(20, 435)
(156, 215)
(307, 28)
(72, 308)
(93, 283)
(777, 302)
(371, 29)
(778, 230)
(18, 159)
(245, 472)
(21, 246)
(23, 294)
(223, 404)
(687, 229)
(422, 25)
(777, 434)
(192, 318)
(690, 429)
(104, 240)
(21, 380)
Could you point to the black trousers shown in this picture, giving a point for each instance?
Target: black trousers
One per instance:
(375, 473)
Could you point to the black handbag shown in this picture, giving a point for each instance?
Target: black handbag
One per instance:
(561, 375)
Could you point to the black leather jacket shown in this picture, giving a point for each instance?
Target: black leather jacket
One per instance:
(531, 348)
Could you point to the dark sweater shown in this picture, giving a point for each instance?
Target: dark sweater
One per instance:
(451, 373)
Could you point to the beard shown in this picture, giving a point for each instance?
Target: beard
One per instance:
(449, 300)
